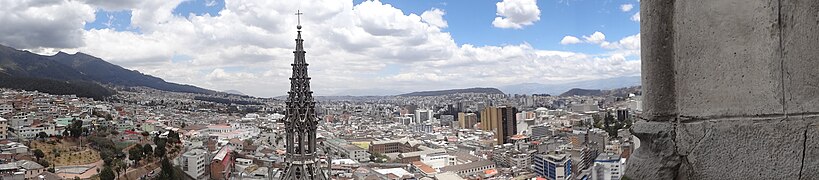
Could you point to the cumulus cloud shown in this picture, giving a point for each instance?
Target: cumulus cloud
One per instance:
(40, 24)
(596, 38)
(636, 17)
(626, 7)
(434, 17)
(516, 13)
(569, 40)
(248, 45)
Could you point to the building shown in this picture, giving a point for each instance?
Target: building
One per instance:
(221, 164)
(553, 165)
(424, 169)
(500, 120)
(608, 167)
(393, 146)
(438, 160)
(6, 108)
(4, 128)
(31, 132)
(193, 163)
(345, 149)
(540, 131)
(467, 120)
(422, 116)
(22, 169)
(467, 169)
(302, 159)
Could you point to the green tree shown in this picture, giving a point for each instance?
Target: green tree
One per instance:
(42, 135)
(75, 129)
(147, 150)
(135, 154)
(107, 174)
(159, 151)
(167, 170)
(38, 154)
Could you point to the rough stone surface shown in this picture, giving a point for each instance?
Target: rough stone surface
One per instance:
(740, 146)
(657, 157)
(731, 90)
(726, 56)
(656, 27)
(810, 162)
(800, 41)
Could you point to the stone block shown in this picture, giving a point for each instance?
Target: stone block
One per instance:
(800, 41)
(741, 148)
(726, 58)
(810, 164)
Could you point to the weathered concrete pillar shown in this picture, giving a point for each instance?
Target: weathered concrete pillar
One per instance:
(731, 90)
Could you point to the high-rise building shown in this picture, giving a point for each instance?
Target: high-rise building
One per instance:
(422, 116)
(553, 165)
(300, 123)
(467, 120)
(500, 120)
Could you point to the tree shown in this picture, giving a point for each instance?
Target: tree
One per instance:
(39, 154)
(42, 135)
(107, 174)
(167, 170)
(135, 154)
(173, 137)
(147, 150)
(159, 151)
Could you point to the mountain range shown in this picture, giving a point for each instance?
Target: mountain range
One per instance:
(80, 74)
(454, 91)
(559, 88)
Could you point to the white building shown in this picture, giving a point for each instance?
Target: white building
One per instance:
(28, 132)
(422, 116)
(608, 167)
(193, 163)
(6, 108)
(4, 128)
(438, 160)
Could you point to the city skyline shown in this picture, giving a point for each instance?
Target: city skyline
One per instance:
(370, 45)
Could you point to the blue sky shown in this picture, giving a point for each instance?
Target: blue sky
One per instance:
(470, 21)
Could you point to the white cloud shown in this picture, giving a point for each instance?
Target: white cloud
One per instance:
(636, 17)
(516, 13)
(248, 45)
(626, 7)
(434, 17)
(596, 38)
(38, 24)
(569, 40)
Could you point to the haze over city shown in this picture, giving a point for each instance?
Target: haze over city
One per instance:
(355, 47)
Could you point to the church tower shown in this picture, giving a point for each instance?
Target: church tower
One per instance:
(300, 123)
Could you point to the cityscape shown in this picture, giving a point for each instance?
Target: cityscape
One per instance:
(408, 90)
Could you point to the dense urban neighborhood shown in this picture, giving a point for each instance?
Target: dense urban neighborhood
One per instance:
(142, 133)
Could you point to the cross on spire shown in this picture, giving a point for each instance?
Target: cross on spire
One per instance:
(298, 16)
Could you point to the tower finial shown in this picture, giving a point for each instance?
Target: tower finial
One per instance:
(298, 15)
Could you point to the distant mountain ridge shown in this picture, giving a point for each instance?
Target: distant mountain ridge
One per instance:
(619, 92)
(537, 88)
(80, 72)
(582, 92)
(455, 91)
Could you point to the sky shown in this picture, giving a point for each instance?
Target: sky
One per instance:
(382, 47)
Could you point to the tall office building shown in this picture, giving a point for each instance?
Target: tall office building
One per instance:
(422, 116)
(467, 120)
(500, 120)
(300, 123)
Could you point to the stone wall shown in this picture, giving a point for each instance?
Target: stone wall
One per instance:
(731, 90)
